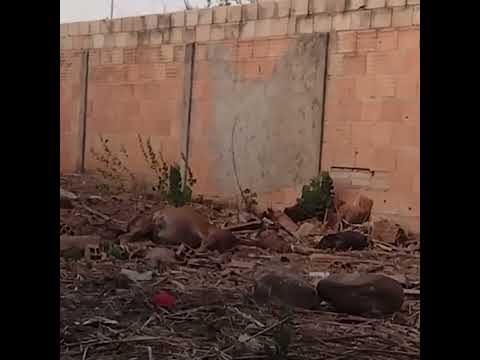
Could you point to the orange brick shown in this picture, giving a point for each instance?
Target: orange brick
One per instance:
(385, 86)
(363, 156)
(392, 110)
(405, 135)
(411, 111)
(354, 64)
(412, 61)
(408, 86)
(260, 48)
(264, 68)
(250, 71)
(344, 110)
(346, 41)
(247, 30)
(217, 32)
(368, 87)
(384, 159)
(201, 52)
(339, 89)
(202, 32)
(361, 19)
(156, 119)
(382, 18)
(385, 63)
(305, 25)
(401, 183)
(387, 40)
(367, 40)
(416, 184)
(402, 16)
(342, 21)
(371, 110)
(128, 24)
(179, 53)
(362, 133)
(344, 156)
(416, 15)
(337, 132)
(232, 31)
(408, 161)
(336, 64)
(150, 91)
(374, 4)
(283, 8)
(250, 12)
(409, 39)
(244, 50)
(382, 133)
(278, 47)
(328, 157)
(322, 23)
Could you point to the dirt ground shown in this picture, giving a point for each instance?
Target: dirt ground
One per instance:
(214, 317)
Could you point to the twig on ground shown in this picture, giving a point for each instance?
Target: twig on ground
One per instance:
(103, 216)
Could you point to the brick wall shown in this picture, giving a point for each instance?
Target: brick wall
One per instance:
(135, 91)
(371, 128)
(372, 118)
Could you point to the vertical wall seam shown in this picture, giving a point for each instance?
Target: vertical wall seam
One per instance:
(189, 77)
(322, 120)
(83, 111)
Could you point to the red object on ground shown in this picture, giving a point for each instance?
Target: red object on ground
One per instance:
(163, 298)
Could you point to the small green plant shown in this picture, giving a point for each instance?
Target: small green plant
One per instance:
(113, 168)
(169, 183)
(318, 195)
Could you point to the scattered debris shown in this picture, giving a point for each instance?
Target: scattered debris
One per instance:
(242, 264)
(136, 276)
(386, 231)
(342, 241)
(64, 194)
(358, 211)
(304, 230)
(252, 344)
(319, 275)
(285, 288)
(211, 293)
(100, 320)
(66, 199)
(160, 256)
(361, 294)
(66, 229)
(271, 240)
(251, 225)
(284, 221)
(94, 199)
(140, 228)
(94, 253)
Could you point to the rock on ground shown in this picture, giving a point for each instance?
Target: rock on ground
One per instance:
(361, 294)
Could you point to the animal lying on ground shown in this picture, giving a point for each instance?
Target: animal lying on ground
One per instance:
(173, 226)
